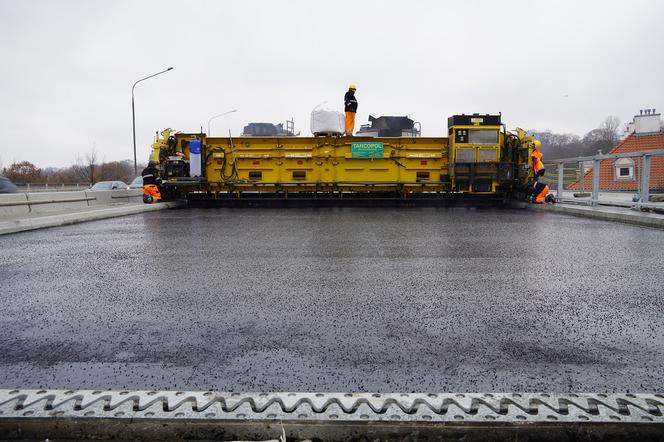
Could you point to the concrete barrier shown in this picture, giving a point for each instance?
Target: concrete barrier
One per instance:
(100, 198)
(20, 212)
(106, 197)
(23, 223)
(48, 202)
(14, 204)
(17, 204)
(127, 196)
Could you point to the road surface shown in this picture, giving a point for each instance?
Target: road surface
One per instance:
(345, 299)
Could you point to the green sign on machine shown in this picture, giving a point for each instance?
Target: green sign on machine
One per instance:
(366, 149)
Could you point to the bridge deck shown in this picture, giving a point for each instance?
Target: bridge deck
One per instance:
(346, 299)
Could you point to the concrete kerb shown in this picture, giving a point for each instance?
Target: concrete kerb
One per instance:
(614, 214)
(61, 219)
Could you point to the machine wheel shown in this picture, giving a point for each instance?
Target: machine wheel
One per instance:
(147, 199)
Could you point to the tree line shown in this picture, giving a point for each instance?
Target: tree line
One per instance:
(566, 145)
(87, 169)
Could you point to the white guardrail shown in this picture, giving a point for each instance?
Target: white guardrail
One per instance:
(602, 176)
(18, 204)
(50, 187)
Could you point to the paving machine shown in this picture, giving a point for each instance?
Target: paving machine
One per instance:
(387, 126)
(478, 157)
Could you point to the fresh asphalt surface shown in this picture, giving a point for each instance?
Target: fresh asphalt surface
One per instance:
(345, 299)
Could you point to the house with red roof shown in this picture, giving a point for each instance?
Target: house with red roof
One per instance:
(644, 134)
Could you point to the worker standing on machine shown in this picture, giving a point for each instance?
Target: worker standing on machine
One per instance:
(151, 192)
(350, 107)
(538, 165)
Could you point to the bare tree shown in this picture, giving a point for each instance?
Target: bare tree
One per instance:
(559, 145)
(85, 166)
(115, 170)
(609, 130)
(603, 138)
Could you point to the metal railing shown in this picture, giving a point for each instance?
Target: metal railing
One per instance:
(623, 179)
(50, 187)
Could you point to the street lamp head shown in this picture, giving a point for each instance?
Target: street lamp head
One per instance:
(217, 116)
(133, 113)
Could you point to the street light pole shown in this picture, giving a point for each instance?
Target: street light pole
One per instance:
(133, 113)
(220, 115)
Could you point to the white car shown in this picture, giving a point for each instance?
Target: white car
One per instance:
(110, 185)
(137, 183)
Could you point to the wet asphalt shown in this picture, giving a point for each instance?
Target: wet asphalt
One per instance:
(335, 299)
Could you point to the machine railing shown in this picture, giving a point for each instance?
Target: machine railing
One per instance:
(629, 179)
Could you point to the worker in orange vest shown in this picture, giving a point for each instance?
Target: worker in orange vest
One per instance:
(538, 165)
(151, 191)
(540, 193)
(350, 107)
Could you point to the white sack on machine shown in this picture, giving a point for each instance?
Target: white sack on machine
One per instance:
(324, 121)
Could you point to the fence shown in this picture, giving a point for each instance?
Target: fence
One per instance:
(626, 178)
(46, 187)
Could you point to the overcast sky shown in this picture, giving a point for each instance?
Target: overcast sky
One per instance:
(67, 67)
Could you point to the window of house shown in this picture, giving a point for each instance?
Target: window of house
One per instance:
(624, 169)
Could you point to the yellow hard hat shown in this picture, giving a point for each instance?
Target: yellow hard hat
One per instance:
(352, 86)
(537, 144)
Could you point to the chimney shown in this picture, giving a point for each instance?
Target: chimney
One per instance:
(647, 122)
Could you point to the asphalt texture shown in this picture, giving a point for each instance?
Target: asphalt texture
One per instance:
(338, 299)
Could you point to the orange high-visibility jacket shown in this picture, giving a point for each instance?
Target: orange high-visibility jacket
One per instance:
(540, 198)
(537, 160)
(152, 190)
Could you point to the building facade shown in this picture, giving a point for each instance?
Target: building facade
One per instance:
(644, 134)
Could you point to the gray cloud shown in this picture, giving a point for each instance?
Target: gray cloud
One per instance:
(68, 66)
